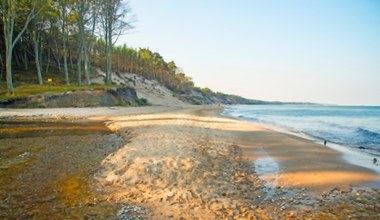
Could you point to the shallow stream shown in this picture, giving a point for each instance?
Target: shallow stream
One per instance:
(47, 170)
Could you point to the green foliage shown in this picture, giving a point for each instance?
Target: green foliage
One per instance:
(27, 90)
(149, 64)
(120, 103)
(55, 32)
(141, 102)
(132, 81)
(207, 90)
(47, 33)
(57, 25)
(40, 106)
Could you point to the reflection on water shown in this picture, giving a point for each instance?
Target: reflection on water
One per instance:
(268, 170)
(46, 170)
(266, 167)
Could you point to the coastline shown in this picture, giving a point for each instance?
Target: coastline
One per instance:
(192, 158)
(350, 155)
(263, 137)
(305, 163)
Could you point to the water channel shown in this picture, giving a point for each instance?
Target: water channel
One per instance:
(47, 170)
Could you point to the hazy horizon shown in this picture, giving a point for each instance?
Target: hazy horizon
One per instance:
(297, 51)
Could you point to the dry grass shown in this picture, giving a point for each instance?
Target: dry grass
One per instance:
(26, 90)
(26, 83)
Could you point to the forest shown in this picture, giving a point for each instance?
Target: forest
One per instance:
(71, 38)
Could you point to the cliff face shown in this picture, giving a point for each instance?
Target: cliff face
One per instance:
(146, 89)
(122, 96)
(199, 97)
(157, 94)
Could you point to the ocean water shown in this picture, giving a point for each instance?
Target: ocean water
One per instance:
(352, 126)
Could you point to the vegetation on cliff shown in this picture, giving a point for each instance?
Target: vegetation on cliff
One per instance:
(65, 41)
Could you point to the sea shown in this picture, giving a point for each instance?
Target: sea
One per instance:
(355, 127)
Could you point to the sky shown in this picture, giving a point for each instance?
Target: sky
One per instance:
(325, 51)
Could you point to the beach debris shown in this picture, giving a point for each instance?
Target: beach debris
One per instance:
(5, 164)
(132, 212)
(291, 214)
(216, 206)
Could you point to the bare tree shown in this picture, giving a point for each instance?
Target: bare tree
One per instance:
(9, 11)
(64, 9)
(116, 19)
(38, 26)
(94, 10)
(82, 8)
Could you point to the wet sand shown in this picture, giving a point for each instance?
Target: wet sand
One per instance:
(190, 162)
(46, 170)
(305, 164)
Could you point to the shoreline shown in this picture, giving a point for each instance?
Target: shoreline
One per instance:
(350, 155)
(301, 171)
(110, 115)
(172, 155)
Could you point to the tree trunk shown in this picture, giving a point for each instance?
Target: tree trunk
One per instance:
(56, 56)
(8, 19)
(8, 67)
(87, 68)
(1, 58)
(48, 59)
(89, 50)
(1, 66)
(81, 42)
(71, 59)
(109, 65)
(79, 65)
(26, 67)
(36, 39)
(8, 37)
(109, 48)
(66, 69)
(109, 61)
(64, 45)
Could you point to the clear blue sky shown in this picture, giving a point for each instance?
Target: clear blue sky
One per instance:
(325, 51)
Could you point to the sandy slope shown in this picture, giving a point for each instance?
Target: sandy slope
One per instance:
(150, 90)
(180, 164)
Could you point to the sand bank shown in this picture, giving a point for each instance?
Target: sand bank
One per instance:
(190, 162)
(95, 113)
(193, 159)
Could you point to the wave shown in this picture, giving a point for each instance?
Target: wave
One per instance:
(247, 118)
(371, 136)
(368, 133)
(349, 126)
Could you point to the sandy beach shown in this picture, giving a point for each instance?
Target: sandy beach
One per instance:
(189, 162)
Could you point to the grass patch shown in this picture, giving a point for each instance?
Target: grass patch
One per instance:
(141, 102)
(26, 90)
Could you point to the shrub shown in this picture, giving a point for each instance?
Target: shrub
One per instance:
(141, 102)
